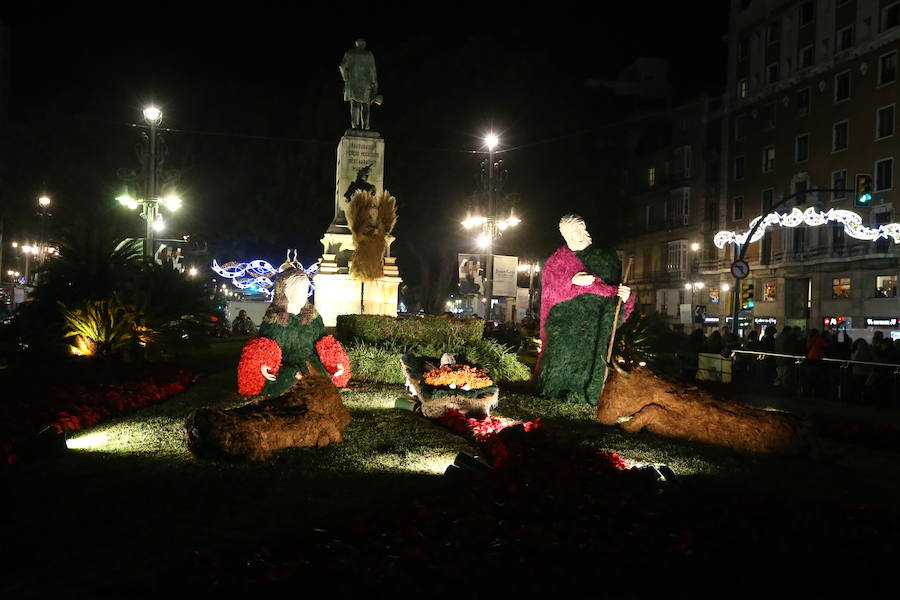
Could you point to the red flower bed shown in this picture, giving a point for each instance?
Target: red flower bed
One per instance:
(72, 407)
(552, 516)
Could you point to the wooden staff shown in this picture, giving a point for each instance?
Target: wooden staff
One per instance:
(612, 337)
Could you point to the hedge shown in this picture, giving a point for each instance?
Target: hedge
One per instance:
(408, 333)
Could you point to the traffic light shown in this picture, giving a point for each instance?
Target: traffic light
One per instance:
(863, 189)
(747, 296)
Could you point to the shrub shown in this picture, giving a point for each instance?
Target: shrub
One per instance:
(498, 360)
(381, 362)
(101, 327)
(415, 332)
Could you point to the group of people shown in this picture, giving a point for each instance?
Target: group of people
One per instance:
(815, 378)
(242, 325)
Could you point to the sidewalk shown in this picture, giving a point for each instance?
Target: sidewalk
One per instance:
(810, 406)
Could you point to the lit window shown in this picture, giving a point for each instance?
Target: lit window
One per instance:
(743, 88)
(768, 159)
(801, 148)
(886, 286)
(884, 122)
(884, 174)
(840, 288)
(887, 68)
(769, 291)
(839, 136)
(651, 176)
(677, 255)
(713, 295)
(842, 86)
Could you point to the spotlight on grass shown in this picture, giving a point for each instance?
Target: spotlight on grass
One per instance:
(89, 441)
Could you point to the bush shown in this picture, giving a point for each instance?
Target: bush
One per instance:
(415, 332)
(497, 359)
(381, 362)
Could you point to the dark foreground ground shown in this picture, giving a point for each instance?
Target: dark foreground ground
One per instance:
(129, 513)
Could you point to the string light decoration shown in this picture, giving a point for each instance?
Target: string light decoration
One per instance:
(258, 275)
(852, 222)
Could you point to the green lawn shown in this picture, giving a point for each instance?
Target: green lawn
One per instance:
(131, 501)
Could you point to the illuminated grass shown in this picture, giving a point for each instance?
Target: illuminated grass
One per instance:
(132, 499)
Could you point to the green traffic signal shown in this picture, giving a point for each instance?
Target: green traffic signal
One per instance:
(863, 189)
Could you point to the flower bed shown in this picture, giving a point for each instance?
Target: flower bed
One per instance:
(71, 407)
(551, 516)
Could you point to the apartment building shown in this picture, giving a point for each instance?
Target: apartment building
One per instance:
(811, 103)
(673, 185)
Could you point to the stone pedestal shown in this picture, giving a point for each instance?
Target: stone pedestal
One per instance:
(336, 292)
(339, 294)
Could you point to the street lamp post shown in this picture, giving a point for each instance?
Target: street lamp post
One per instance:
(151, 201)
(492, 226)
(150, 210)
(693, 286)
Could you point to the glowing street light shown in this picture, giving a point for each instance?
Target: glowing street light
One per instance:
(44, 201)
(152, 114)
(192, 271)
(151, 202)
(491, 141)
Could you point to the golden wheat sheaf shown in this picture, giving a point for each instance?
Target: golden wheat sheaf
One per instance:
(371, 218)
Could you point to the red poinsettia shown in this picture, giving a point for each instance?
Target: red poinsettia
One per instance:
(335, 360)
(257, 353)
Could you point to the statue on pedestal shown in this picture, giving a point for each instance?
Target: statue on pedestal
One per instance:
(360, 83)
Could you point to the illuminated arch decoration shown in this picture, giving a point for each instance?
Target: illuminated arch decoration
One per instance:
(259, 275)
(852, 222)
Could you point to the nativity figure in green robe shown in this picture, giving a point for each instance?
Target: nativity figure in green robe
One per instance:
(580, 289)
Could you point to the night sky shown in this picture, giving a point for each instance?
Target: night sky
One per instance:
(256, 100)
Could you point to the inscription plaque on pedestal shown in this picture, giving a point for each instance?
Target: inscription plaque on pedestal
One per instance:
(360, 166)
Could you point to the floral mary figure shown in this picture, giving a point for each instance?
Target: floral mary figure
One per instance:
(295, 325)
(580, 289)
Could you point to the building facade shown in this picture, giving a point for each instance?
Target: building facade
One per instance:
(673, 183)
(810, 104)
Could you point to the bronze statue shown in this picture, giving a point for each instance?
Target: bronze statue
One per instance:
(360, 83)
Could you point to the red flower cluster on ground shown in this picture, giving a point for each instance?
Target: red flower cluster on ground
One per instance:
(72, 407)
(553, 517)
(257, 352)
(332, 355)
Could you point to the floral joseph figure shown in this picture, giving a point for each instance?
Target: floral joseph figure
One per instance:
(580, 290)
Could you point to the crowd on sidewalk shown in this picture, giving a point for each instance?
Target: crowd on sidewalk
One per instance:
(802, 367)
